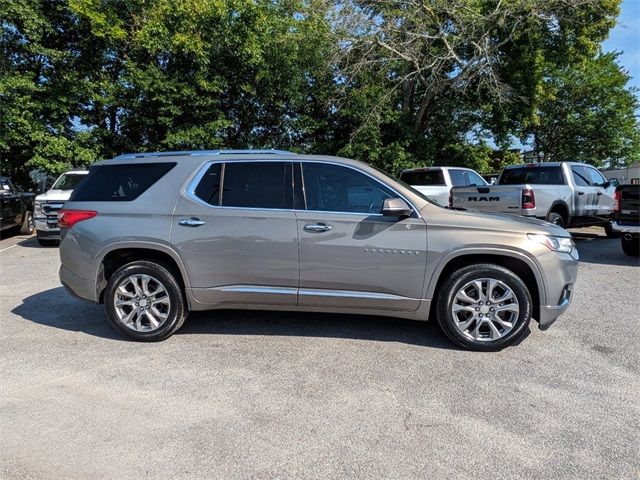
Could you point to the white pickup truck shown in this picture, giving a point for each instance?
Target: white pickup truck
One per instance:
(46, 206)
(436, 182)
(568, 194)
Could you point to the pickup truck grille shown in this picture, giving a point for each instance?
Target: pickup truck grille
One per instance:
(50, 209)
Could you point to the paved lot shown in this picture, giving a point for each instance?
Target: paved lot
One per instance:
(272, 395)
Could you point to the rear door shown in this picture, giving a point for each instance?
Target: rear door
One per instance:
(236, 232)
(586, 196)
(351, 256)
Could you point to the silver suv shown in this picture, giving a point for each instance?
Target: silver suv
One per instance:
(156, 235)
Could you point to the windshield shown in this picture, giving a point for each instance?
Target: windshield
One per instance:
(68, 181)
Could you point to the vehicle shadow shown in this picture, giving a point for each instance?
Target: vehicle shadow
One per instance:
(56, 309)
(594, 248)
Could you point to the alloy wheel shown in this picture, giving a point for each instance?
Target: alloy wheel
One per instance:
(485, 309)
(141, 303)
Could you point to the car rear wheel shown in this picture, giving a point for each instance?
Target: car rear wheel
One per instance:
(631, 245)
(484, 307)
(144, 301)
(556, 219)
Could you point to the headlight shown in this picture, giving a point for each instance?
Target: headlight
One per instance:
(37, 209)
(555, 244)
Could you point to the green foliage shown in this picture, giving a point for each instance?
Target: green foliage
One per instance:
(405, 84)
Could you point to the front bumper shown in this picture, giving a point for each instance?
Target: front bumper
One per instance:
(625, 228)
(560, 272)
(45, 228)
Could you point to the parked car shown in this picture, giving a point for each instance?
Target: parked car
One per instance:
(627, 217)
(567, 194)
(436, 182)
(16, 209)
(153, 236)
(49, 203)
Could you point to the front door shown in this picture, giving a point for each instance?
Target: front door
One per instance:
(236, 233)
(350, 255)
(585, 195)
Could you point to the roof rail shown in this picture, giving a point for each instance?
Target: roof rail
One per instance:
(193, 153)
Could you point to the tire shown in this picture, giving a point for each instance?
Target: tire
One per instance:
(27, 226)
(479, 335)
(631, 247)
(556, 219)
(611, 233)
(168, 309)
(48, 242)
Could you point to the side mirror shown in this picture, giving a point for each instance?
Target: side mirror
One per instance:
(396, 207)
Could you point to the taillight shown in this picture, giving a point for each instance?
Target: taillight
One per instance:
(528, 199)
(617, 201)
(68, 218)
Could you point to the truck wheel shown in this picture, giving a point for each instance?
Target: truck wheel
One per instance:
(611, 233)
(484, 307)
(144, 301)
(631, 245)
(27, 226)
(556, 219)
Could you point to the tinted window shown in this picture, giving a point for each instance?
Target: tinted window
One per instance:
(580, 176)
(537, 175)
(119, 183)
(68, 181)
(331, 188)
(473, 179)
(423, 178)
(596, 177)
(257, 185)
(209, 187)
(5, 186)
(457, 178)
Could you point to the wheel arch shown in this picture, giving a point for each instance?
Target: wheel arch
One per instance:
(518, 263)
(561, 207)
(121, 254)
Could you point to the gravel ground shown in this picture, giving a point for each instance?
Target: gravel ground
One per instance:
(272, 395)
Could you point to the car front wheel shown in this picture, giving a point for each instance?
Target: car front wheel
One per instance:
(144, 301)
(484, 307)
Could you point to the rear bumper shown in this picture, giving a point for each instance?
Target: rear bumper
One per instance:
(77, 286)
(625, 228)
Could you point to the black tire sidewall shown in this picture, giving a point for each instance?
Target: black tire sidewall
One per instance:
(177, 312)
(555, 215)
(27, 227)
(467, 274)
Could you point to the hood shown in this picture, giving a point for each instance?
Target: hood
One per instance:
(54, 196)
(499, 222)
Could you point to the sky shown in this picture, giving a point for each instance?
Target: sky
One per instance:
(625, 37)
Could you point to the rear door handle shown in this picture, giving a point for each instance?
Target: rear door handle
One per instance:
(600, 193)
(191, 222)
(317, 227)
(580, 193)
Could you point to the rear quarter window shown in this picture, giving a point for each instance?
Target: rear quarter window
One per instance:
(119, 183)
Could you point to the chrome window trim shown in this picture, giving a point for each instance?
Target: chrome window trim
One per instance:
(193, 183)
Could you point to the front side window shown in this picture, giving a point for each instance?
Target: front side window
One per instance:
(475, 180)
(333, 188)
(257, 185)
(597, 179)
(457, 178)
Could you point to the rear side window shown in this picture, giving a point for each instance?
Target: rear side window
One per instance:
(474, 180)
(580, 176)
(257, 185)
(533, 175)
(422, 179)
(119, 183)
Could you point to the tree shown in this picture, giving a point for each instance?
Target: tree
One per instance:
(587, 113)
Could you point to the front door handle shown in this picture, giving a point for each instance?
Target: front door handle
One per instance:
(580, 193)
(191, 222)
(317, 227)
